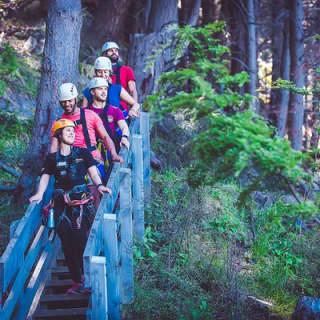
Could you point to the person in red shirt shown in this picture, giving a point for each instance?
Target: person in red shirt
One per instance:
(116, 93)
(121, 74)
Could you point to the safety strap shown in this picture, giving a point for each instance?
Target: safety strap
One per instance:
(117, 68)
(104, 118)
(85, 130)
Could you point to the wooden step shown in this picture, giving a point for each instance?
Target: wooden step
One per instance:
(59, 283)
(64, 297)
(61, 313)
(60, 270)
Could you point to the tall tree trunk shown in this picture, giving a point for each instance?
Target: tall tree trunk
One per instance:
(189, 12)
(252, 53)
(60, 64)
(210, 11)
(315, 123)
(297, 72)
(109, 23)
(285, 75)
(234, 13)
(279, 16)
(142, 46)
(162, 13)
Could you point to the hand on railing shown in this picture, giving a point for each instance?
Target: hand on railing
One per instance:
(134, 111)
(102, 189)
(37, 197)
(117, 158)
(125, 142)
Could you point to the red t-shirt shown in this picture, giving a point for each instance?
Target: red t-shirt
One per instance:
(126, 75)
(93, 123)
(114, 115)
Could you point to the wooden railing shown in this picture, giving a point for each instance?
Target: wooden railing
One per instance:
(108, 259)
(108, 255)
(24, 263)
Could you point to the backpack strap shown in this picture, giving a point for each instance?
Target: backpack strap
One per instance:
(85, 130)
(104, 118)
(115, 137)
(118, 67)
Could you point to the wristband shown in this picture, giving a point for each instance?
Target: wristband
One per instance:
(124, 136)
(99, 185)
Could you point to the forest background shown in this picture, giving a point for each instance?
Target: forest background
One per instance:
(234, 211)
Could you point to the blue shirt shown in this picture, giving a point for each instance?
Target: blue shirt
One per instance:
(113, 98)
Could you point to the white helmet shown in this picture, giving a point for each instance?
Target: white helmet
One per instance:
(67, 91)
(98, 82)
(109, 45)
(103, 63)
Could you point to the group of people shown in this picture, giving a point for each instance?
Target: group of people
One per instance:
(85, 141)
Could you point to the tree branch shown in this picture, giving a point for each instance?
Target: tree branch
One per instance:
(9, 169)
(7, 188)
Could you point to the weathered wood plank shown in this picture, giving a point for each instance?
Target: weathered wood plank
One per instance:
(13, 256)
(144, 131)
(138, 193)
(94, 242)
(23, 274)
(13, 227)
(125, 218)
(99, 288)
(40, 274)
(113, 268)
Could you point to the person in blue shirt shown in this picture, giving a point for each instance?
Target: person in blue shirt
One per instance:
(102, 69)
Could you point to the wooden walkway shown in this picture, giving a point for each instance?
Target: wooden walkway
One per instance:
(33, 278)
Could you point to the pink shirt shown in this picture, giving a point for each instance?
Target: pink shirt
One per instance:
(93, 123)
(114, 115)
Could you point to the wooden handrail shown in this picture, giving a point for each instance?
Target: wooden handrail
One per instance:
(23, 261)
(29, 254)
(104, 236)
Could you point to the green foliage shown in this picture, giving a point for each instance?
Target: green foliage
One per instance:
(273, 246)
(15, 69)
(233, 137)
(234, 142)
(14, 135)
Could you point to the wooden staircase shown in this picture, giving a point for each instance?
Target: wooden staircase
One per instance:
(55, 303)
(33, 276)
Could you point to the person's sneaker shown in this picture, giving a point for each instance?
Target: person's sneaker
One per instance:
(76, 288)
(84, 289)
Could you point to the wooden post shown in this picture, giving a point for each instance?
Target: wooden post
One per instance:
(138, 195)
(13, 227)
(125, 217)
(144, 131)
(113, 268)
(99, 288)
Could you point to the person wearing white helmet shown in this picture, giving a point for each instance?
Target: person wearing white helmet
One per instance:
(121, 74)
(116, 93)
(88, 126)
(111, 116)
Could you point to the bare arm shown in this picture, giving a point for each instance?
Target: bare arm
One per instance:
(54, 145)
(44, 180)
(93, 172)
(107, 141)
(125, 132)
(133, 90)
(135, 107)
